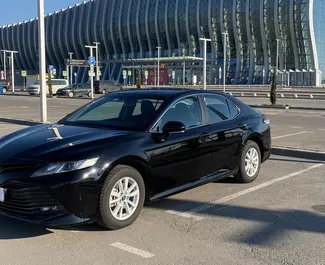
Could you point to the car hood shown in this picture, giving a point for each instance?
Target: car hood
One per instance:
(56, 143)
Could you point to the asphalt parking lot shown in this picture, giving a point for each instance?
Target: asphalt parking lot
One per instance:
(279, 219)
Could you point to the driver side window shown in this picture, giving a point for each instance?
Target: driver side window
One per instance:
(187, 111)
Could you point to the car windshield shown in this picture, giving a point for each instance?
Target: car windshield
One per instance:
(125, 111)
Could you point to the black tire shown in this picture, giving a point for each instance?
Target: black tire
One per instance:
(105, 218)
(242, 176)
(89, 94)
(104, 91)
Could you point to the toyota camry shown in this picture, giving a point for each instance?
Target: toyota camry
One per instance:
(104, 161)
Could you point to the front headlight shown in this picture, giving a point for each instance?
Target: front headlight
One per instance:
(62, 167)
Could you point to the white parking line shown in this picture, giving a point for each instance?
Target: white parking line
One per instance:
(294, 127)
(287, 135)
(321, 129)
(189, 214)
(133, 250)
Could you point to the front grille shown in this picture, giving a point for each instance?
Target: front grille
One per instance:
(29, 201)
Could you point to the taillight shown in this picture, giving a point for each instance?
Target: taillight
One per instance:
(266, 120)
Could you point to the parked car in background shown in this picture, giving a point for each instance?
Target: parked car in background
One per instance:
(105, 86)
(75, 90)
(56, 84)
(103, 161)
(6, 86)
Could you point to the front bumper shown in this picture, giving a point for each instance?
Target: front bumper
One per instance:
(57, 200)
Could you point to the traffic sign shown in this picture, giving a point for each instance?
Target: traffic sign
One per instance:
(129, 73)
(65, 73)
(99, 73)
(91, 74)
(23, 73)
(51, 67)
(91, 60)
(146, 74)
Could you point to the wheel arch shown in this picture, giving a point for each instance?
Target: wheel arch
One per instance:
(257, 138)
(140, 165)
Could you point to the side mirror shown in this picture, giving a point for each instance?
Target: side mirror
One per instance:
(173, 127)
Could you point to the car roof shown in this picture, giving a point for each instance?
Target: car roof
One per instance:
(174, 92)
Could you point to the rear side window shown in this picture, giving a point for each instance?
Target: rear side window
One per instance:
(220, 108)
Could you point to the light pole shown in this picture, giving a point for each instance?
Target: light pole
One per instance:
(225, 34)
(42, 65)
(184, 72)
(4, 63)
(12, 70)
(71, 70)
(97, 61)
(91, 48)
(158, 83)
(205, 62)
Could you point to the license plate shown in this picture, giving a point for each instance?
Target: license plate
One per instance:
(2, 195)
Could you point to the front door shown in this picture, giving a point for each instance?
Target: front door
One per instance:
(181, 158)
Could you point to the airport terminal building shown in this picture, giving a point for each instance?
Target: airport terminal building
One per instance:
(129, 32)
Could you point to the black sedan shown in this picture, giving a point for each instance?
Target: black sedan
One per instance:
(75, 90)
(105, 160)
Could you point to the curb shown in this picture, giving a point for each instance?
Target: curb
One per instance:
(285, 108)
(299, 153)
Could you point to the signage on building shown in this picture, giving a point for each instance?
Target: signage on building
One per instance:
(91, 74)
(76, 62)
(153, 76)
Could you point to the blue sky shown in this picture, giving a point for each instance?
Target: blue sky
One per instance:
(13, 11)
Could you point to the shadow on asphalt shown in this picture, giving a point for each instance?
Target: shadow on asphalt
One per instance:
(15, 229)
(272, 224)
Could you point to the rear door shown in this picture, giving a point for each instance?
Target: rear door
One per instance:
(226, 135)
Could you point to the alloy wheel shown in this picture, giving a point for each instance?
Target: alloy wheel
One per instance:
(124, 198)
(251, 162)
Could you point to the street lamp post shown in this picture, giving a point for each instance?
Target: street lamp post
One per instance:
(205, 62)
(158, 83)
(225, 34)
(91, 48)
(42, 65)
(97, 61)
(5, 63)
(71, 69)
(12, 70)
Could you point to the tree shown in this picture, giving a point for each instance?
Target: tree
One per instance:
(49, 83)
(273, 87)
(139, 79)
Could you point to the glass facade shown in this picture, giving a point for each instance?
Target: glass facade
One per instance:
(130, 29)
(319, 23)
